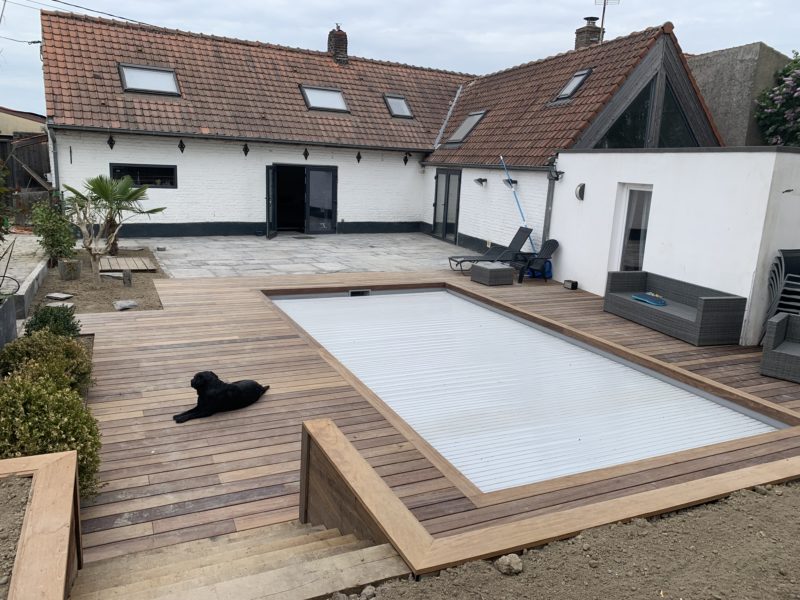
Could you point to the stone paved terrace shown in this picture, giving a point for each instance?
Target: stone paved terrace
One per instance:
(232, 256)
(27, 254)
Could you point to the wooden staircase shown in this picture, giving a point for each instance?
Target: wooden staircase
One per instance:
(289, 561)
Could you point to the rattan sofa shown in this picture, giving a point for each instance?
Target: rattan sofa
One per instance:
(781, 356)
(695, 314)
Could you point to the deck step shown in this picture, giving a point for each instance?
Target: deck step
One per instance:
(287, 560)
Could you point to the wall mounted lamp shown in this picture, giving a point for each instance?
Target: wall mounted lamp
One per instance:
(509, 183)
(110, 141)
(481, 180)
(246, 149)
(553, 174)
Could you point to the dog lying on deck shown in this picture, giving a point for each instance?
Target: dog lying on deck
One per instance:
(214, 395)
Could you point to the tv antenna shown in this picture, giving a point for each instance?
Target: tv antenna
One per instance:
(604, 3)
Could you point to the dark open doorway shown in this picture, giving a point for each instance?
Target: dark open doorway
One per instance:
(301, 198)
(290, 187)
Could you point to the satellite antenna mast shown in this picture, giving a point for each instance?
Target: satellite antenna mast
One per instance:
(603, 17)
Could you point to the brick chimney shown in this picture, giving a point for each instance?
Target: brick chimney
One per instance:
(588, 35)
(337, 45)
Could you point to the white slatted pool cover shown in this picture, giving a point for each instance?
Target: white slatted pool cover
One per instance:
(506, 403)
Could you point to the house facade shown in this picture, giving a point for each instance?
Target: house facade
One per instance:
(714, 217)
(237, 137)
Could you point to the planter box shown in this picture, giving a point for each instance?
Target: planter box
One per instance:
(8, 321)
(49, 551)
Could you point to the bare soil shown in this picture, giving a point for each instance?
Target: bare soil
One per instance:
(746, 546)
(89, 297)
(14, 493)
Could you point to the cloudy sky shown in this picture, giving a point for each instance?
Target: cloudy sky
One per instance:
(475, 36)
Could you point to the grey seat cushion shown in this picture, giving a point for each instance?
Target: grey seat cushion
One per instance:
(791, 348)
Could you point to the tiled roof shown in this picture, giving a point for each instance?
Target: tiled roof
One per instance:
(523, 123)
(232, 88)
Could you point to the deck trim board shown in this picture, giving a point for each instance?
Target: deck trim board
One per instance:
(144, 361)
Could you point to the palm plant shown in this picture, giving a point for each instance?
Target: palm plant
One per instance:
(101, 211)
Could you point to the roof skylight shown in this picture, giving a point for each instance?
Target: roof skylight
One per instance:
(398, 107)
(152, 80)
(466, 127)
(573, 84)
(324, 98)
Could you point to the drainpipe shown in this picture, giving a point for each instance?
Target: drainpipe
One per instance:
(56, 179)
(553, 175)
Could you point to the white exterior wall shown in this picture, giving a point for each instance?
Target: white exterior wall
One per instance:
(218, 183)
(489, 212)
(707, 218)
(781, 228)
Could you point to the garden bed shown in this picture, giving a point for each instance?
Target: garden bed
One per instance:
(89, 297)
(14, 492)
(48, 553)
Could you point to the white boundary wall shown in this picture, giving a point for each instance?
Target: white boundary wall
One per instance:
(716, 218)
(217, 182)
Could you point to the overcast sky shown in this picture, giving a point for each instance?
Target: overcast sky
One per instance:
(474, 36)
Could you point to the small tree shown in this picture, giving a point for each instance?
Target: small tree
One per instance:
(102, 210)
(55, 232)
(778, 108)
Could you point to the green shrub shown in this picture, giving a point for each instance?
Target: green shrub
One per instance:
(61, 356)
(58, 319)
(37, 416)
(778, 108)
(55, 232)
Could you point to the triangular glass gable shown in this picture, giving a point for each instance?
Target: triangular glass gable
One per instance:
(630, 129)
(675, 131)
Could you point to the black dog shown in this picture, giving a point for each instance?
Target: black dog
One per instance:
(214, 395)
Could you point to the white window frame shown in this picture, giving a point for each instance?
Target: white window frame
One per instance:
(620, 216)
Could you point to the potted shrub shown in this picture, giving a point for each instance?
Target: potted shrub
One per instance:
(57, 237)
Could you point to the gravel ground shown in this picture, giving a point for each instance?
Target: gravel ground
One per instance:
(744, 547)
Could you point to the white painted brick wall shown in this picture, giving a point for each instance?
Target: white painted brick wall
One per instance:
(217, 182)
(489, 212)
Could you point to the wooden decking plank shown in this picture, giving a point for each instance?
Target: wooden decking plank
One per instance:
(180, 474)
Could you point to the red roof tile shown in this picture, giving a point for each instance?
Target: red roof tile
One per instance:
(232, 88)
(522, 122)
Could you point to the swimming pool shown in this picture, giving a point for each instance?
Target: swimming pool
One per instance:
(505, 402)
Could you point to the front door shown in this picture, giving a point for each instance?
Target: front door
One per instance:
(445, 205)
(321, 200)
(301, 198)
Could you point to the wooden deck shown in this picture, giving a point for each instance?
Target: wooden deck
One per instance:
(171, 483)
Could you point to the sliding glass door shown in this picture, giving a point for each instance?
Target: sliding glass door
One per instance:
(445, 206)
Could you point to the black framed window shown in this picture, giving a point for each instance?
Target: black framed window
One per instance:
(398, 106)
(467, 125)
(319, 98)
(675, 131)
(155, 176)
(149, 80)
(630, 129)
(573, 84)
